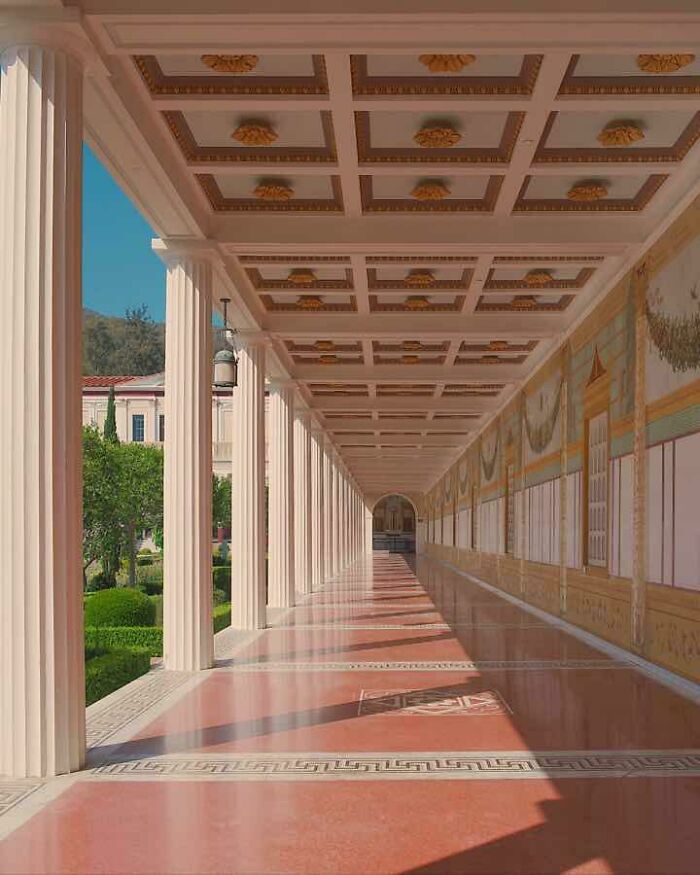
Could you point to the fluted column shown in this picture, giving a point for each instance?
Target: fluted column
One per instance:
(368, 526)
(336, 516)
(248, 487)
(327, 511)
(188, 643)
(281, 496)
(42, 699)
(302, 501)
(317, 511)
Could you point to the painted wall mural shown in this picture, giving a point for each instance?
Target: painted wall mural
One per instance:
(541, 414)
(673, 318)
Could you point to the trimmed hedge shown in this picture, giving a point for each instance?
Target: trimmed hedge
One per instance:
(221, 577)
(221, 617)
(107, 673)
(150, 578)
(119, 607)
(149, 638)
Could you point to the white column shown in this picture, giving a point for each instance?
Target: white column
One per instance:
(327, 510)
(368, 524)
(302, 501)
(188, 642)
(336, 517)
(248, 487)
(281, 496)
(317, 511)
(42, 698)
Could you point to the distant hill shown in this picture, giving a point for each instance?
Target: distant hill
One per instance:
(133, 344)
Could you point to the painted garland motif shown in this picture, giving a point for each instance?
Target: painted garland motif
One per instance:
(539, 436)
(489, 467)
(463, 480)
(676, 338)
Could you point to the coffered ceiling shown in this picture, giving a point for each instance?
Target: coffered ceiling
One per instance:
(416, 205)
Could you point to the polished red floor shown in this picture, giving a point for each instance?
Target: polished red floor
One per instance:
(360, 668)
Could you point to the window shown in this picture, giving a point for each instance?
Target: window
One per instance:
(510, 510)
(138, 427)
(597, 490)
(161, 427)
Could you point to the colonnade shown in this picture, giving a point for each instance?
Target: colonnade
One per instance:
(317, 518)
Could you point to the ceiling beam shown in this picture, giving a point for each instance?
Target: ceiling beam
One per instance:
(501, 373)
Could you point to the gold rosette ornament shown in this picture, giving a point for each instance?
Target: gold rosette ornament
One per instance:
(664, 63)
(255, 134)
(324, 345)
(430, 190)
(437, 137)
(420, 278)
(537, 278)
(410, 359)
(524, 302)
(412, 344)
(231, 63)
(301, 276)
(620, 133)
(273, 191)
(446, 63)
(498, 345)
(310, 302)
(328, 359)
(417, 302)
(587, 191)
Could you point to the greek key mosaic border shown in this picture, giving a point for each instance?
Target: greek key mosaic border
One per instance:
(14, 792)
(461, 765)
(136, 700)
(444, 665)
(342, 625)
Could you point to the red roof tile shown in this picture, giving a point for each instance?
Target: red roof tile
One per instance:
(104, 382)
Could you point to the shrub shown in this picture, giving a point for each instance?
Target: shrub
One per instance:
(110, 671)
(99, 639)
(221, 576)
(145, 551)
(150, 579)
(144, 560)
(99, 581)
(119, 607)
(220, 597)
(222, 617)
(158, 602)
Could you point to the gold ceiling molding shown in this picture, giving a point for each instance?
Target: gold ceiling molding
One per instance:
(255, 134)
(417, 302)
(328, 359)
(442, 136)
(498, 345)
(537, 278)
(301, 276)
(310, 302)
(664, 63)
(490, 359)
(273, 191)
(430, 190)
(410, 359)
(620, 133)
(420, 278)
(446, 63)
(524, 302)
(587, 191)
(412, 344)
(231, 63)
(324, 345)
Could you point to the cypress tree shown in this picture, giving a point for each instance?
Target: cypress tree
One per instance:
(110, 431)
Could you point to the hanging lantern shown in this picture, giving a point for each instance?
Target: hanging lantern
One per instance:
(225, 361)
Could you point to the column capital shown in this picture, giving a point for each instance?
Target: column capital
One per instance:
(56, 29)
(250, 339)
(173, 250)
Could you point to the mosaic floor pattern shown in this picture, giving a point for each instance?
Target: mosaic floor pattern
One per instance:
(310, 748)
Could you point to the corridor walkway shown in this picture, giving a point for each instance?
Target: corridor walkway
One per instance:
(387, 725)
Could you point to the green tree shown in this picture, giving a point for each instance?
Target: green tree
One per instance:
(102, 532)
(98, 345)
(141, 349)
(110, 430)
(140, 495)
(221, 501)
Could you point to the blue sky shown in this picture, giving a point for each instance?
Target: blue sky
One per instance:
(119, 269)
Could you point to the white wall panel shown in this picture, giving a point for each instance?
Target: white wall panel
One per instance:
(687, 517)
(654, 513)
